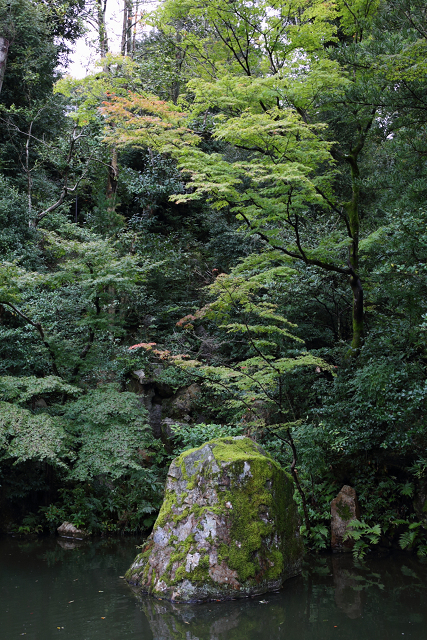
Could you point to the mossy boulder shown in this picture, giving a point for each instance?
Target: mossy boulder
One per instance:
(228, 527)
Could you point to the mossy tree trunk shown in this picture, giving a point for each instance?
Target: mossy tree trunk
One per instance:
(351, 209)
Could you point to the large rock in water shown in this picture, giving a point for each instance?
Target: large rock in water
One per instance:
(228, 527)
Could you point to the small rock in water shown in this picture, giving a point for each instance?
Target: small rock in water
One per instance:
(68, 530)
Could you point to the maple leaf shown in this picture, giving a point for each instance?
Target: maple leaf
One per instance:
(144, 345)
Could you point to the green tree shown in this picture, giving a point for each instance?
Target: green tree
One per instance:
(300, 123)
(75, 308)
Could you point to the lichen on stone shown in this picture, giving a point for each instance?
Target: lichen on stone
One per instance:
(344, 511)
(228, 526)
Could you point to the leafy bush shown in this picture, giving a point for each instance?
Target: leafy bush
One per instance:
(26, 436)
(191, 436)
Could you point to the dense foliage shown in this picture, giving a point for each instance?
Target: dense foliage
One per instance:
(234, 209)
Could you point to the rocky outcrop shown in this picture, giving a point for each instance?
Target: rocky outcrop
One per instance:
(228, 527)
(344, 509)
(166, 406)
(68, 530)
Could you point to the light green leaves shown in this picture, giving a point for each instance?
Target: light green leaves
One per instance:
(14, 280)
(255, 383)
(24, 389)
(25, 436)
(109, 429)
(100, 433)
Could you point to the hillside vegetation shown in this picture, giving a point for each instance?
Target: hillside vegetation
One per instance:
(234, 205)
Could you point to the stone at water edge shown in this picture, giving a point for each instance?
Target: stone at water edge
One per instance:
(344, 509)
(68, 530)
(228, 527)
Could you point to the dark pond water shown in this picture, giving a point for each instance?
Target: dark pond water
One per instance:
(52, 588)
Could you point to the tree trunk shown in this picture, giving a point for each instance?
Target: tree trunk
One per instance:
(103, 47)
(101, 7)
(358, 321)
(352, 210)
(4, 50)
(124, 28)
(129, 29)
(179, 59)
(113, 174)
(128, 17)
(135, 23)
(28, 171)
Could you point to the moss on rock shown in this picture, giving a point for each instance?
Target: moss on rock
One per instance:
(228, 526)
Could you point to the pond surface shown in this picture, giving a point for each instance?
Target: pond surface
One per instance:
(55, 588)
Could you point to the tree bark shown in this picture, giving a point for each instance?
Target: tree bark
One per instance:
(28, 170)
(112, 180)
(129, 29)
(352, 211)
(358, 320)
(4, 51)
(101, 7)
(124, 27)
(130, 17)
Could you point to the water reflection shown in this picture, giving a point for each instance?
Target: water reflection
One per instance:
(52, 586)
(334, 598)
(228, 620)
(69, 543)
(348, 594)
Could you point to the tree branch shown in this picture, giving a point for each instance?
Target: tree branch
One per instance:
(40, 330)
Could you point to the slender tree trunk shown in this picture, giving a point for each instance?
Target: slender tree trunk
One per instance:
(135, 23)
(113, 174)
(4, 50)
(28, 171)
(358, 320)
(101, 7)
(103, 47)
(124, 28)
(179, 59)
(126, 42)
(352, 210)
(291, 444)
(129, 29)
